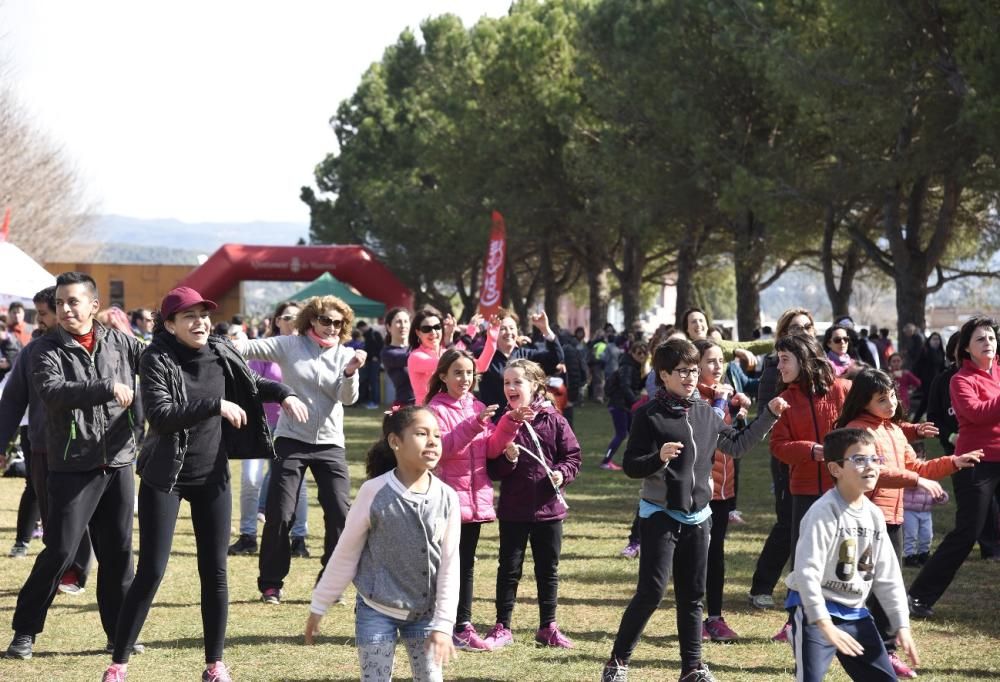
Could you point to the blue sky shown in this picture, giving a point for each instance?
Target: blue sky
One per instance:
(201, 111)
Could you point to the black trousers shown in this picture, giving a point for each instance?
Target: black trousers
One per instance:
(800, 505)
(715, 578)
(467, 570)
(668, 543)
(974, 491)
(778, 545)
(39, 481)
(28, 512)
(104, 498)
(546, 546)
(211, 514)
(328, 464)
(895, 534)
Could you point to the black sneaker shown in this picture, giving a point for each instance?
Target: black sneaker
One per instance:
(21, 646)
(271, 595)
(922, 558)
(702, 674)
(615, 670)
(244, 546)
(137, 648)
(299, 549)
(912, 561)
(920, 609)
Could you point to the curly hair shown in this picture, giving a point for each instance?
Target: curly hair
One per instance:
(815, 372)
(315, 306)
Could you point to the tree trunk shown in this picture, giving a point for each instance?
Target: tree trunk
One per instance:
(630, 278)
(748, 259)
(687, 264)
(840, 296)
(550, 289)
(597, 287)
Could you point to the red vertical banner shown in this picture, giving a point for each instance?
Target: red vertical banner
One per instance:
(491, 294)
(5, 230)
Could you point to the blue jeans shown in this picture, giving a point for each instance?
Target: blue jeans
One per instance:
(253, 498)
(813, 654)
(376, 635)
(918, 531)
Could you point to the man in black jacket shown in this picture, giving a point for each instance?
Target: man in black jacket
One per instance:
(85, 375)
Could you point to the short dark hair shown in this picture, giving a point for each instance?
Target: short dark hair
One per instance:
(46, 296)
(671, 353)
(968, 329)
(16, 305)
(73, 277)
(837, 442)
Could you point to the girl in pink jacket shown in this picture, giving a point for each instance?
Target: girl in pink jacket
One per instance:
(469, 438)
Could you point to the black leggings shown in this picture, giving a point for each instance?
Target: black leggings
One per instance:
(881, 618)
(211, 514)
(716, 576)
(546, 545)
(467, 571)
(28, 511)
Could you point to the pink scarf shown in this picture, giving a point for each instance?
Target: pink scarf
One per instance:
(323, 343)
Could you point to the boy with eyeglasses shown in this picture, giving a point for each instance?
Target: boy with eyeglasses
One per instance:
(842, 555)
(672, 448)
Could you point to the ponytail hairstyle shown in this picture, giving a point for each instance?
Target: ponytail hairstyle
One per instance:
(533, 372)
(448, 358)
(867, 384)
(381, 459)
(815, 372)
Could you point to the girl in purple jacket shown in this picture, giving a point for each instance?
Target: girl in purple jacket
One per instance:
(544, 458)
(468, 439)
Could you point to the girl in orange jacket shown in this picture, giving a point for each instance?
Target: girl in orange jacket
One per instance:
(724, 400)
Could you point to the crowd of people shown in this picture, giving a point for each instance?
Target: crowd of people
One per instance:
(172, 397)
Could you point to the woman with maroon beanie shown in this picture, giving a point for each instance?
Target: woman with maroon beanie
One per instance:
(204, 405)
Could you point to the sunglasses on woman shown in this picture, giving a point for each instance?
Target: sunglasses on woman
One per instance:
(289, 318)
(330, 322)
(428, 328)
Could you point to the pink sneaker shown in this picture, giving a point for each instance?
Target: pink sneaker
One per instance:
(467, 638)
(705, 635)
(783, 633)
(498, 637)
(115, 673)
(551, 636)
(218, 672)
(903, 671)
(718, 630)
(609, 466)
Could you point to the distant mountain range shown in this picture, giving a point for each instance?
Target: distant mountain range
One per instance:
(203, 238)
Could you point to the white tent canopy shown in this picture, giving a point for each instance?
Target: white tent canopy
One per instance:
(20, 276)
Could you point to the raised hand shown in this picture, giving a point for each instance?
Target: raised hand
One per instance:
(355, 363)
(487, 413)
(777, 405)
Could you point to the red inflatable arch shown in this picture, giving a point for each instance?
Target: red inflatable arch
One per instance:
(354, 265)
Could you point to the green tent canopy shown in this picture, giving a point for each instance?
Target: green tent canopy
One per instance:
(327, 285)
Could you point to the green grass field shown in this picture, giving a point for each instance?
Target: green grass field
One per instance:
(265, 642)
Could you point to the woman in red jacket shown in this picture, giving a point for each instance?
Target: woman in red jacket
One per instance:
(975, 398)
(815, 398)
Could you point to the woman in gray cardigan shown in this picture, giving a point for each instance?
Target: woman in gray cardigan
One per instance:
(323, 373)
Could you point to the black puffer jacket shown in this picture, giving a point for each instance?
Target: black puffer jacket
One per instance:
(86, 428)
(170, 414)
(626, 384)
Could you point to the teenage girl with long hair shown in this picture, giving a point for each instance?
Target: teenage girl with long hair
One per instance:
(469, 439)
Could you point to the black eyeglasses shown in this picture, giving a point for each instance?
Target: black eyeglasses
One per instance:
(428, 328)
(685, 373)
(329, 321)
